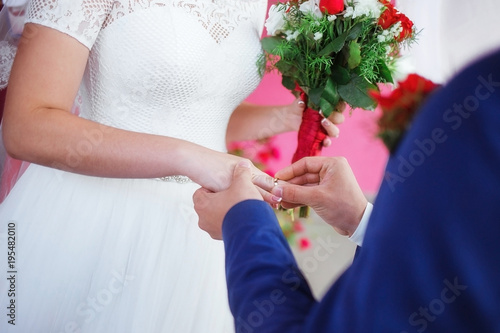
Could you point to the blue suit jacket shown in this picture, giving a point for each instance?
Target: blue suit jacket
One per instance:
(431, 257)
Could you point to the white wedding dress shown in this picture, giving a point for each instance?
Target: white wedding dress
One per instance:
(126, 255)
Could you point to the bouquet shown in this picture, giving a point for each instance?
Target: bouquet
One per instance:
(331, 52)
(400, 107)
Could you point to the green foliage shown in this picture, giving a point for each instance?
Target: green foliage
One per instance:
(331, 60)
(355, 92)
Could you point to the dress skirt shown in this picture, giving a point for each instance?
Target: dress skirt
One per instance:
(108, 255)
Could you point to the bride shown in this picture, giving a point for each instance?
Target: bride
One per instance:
(101, 225)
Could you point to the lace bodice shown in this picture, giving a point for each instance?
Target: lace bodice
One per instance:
(169, 67)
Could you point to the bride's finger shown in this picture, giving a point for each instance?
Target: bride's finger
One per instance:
(269, 197)
(337, 118)
(331, 129)
(264, 181)
(327, 142)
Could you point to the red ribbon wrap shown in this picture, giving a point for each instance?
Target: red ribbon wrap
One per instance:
(311, 133)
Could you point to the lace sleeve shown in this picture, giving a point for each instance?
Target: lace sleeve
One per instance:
(81, 19)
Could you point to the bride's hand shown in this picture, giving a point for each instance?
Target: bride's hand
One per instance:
(329, 124)
(214, 170)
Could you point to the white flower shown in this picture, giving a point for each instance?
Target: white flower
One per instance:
(291, 35)
(332, 18)
(311, 7)
(370, 8)
(403, 66)
(276, 20)
(349, 11)
(318, 35)
(391, 33)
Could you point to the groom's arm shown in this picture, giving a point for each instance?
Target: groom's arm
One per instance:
(267, 292)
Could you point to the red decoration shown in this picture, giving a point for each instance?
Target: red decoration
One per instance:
(311, 133)
(391, 16)
(304, 243)
(331, 6)
(400, 106)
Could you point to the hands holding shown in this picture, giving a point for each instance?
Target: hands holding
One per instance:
(326, 184)
(213, 206)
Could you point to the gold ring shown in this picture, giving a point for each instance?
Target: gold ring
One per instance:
(275, 181)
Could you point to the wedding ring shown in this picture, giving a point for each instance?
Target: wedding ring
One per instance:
(275, 181)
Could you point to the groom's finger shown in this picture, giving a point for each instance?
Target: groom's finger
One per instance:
(263, 181)
(295, 194)
(242, 173)
(242, 187)
(306, 165)
(201, 199)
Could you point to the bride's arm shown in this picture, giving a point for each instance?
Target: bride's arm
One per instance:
(253, 122)
(39, 128)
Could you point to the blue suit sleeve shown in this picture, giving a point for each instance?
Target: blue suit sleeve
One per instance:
(431, 256)
(267, 291)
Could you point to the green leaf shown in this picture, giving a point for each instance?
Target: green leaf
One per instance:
(288, 82)
(385, 72)
(270, 44)
(355, 31)
(334, 46)
(340, 75)
(354, 55)
(284, 67)
(355, 93)
(314, 96)
(329, 98)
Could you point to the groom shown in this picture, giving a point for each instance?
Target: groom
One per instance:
(430, 260)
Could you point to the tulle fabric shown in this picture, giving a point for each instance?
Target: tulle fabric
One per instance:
(114, 252)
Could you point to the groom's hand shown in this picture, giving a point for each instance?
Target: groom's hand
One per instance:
(327, 185)
(212, 207)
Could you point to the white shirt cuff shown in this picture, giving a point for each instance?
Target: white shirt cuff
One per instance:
(358, 235)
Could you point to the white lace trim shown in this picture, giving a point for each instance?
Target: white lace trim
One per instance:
(85, 18)
(216, 16)
(7, 54)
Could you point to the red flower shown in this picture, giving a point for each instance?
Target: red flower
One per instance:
(391, 16)
(400, 106)
(304, 243)
(407, 26)
(263, 156)
(331, 6)
(417, 83)
(297, 226)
